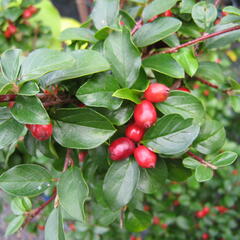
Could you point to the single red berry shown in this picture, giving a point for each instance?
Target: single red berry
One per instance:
(134, 132)
(133, 238)
(40, 132)
(12, 28)
(121, 148)
(200, 214)
(218, 60)
(176, 203)
(156, 220)
(7, 33)
(72, 227)
(224, 14)
(32, 9)
(145, 114)
(183, 89)
(145, 157)
(196, 86)
(122, 23)
(217, 21)
(82, 155)
(221, 209)
(164, 226)
(81, 105)
(27, 13)
(146, 208)
(156, 92)
(205, 236)
(206, 93)
(41, 227)
(206, 210)
(11, 104)
(235, 172)
(168, 13)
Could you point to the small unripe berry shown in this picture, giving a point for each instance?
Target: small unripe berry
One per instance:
(145, 157)
(156, 92)
(121, 148)
(134, 132)
(183, 89)
(40, 132)
(145, 114)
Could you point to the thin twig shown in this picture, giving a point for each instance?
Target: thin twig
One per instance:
(202, 161)
(207, 83)
(68, 160)
(138, 25)
(82, 10)
(217, 2)
(123, 209)
(195, 41)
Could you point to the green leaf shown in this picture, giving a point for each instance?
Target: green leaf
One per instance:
(73, 179)
(223, 39)
(142, 82)
(185, 57)
(98, 92)
(165, 64)
(29, 109)
(176, 170)
(129, 94)
(81, 128)
(124, 57)
(54, 226)
(42, 61)
(105, 13)
(171, 135)
(103, 33)
(183, 103)
(211, 137)
(120, 183)
(14, 225)
(183, 223)
(10, 131)
(157, 7)
(120, 116)
(187, 6)
(191, 163)
(204, 14)
(29, 89)
(82, 34)
(224, 159)
(20, 205)
(232, 10)
(152, 180)
(210, 71)
(127, 19)
(25, 180)
(172, 40)
(235, 103)
(203, 173)
(155, 31)
(10, 62)
(138, 221)
(87, 62)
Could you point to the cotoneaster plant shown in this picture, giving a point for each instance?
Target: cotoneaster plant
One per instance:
(107, 121)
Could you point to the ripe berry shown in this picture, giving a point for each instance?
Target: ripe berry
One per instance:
(183, 89)
(206, 210)
(82, 155)
(40, 132)
(7, 33)
(155, 220)
(168, 13)
(121, 148)
(146, 208)
(176, 203)
(145, 157)
(164, 226)
(32, 9)
(134, 132)
(205, 236)
(221, 209)
(133, 238)
(27, 14)
(145, 114)
(206, 93)
(12, 28)
(72, 227)
(41, 227)
(156, 92)
(235, 172)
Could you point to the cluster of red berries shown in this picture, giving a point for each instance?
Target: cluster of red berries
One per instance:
(168, 13)
(202, 213)
(40, 132)
(145, 116)
(221, 209)
(12, 29)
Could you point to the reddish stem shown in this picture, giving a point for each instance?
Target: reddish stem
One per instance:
(197, 40)
(202, 161)
(217, 2)
(68, 160)
(207, 83)
(138, 25)
(7, 97)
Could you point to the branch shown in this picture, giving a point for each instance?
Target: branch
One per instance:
(82, 10)
(217, 2)
(197, 40)
(138, 25)
(202, 161)
(7, 97)
(207, 83)
(68, 160)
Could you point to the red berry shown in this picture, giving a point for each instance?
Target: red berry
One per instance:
(196, 86)
(164, 226)
(72, 227)
(82, 155)
(133, 238)
(206, 93)
(11, 104)
(205, 236)
(40, 132)
(7, 33)
(168, 13)
(12, 28)
(32, 9)
(155, 220)
(224, 14)
(121, 148)
(145, 157)
(217, 21)
(146, 208)
(221, 209)
(200, 214)
(41, 227)
(122, 23)
(156, 92)
(145, 114)
(183, 89)
(134, 132)
(235, 172)
(176, 203)
(27, 13)
(206, 210)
